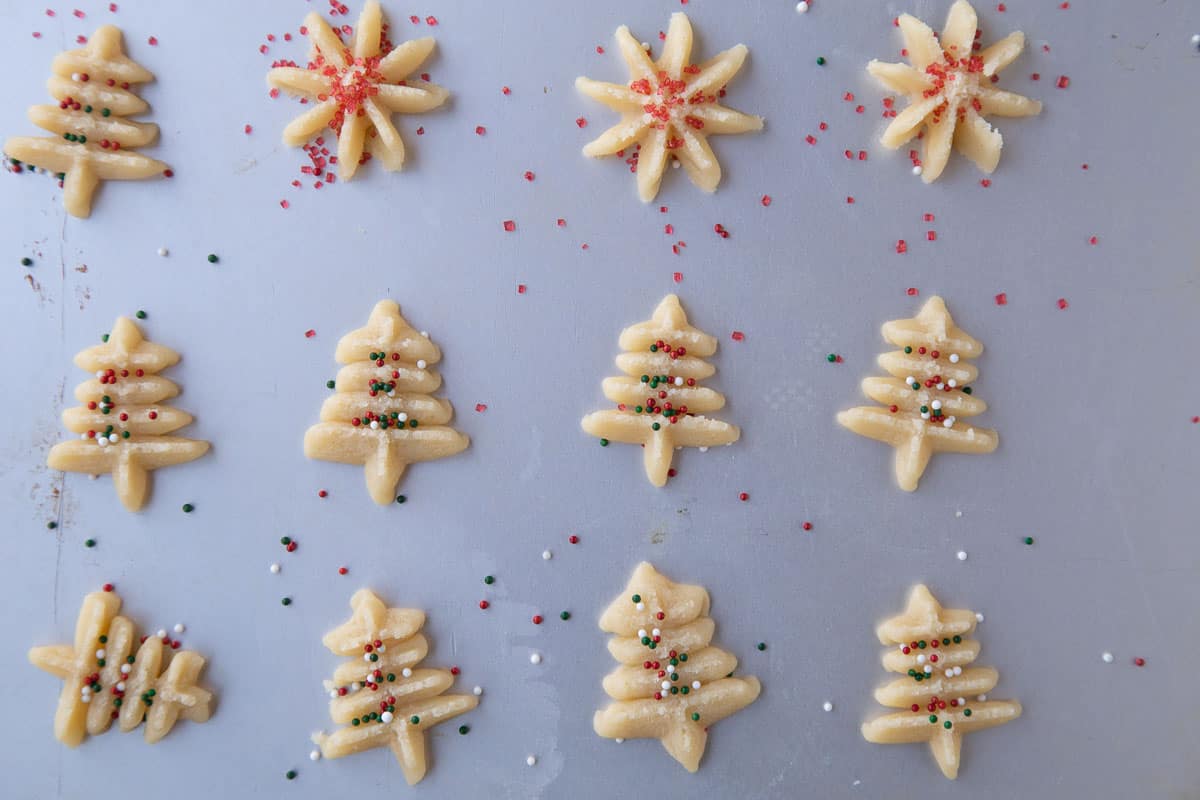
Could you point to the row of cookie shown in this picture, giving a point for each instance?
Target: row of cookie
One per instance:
(672, 683)
(384, 416)
(357, 79)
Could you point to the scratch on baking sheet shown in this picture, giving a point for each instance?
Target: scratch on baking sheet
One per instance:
(245, 165)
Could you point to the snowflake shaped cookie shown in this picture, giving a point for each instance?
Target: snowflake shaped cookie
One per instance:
(357, 86)
(669, 108)
(949, 87)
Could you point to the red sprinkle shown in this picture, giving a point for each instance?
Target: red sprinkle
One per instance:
(505, 90)
(737, 336)
(931, 236)
(481, 407)
(1063, 82)
(480, 130)
(807, 526)
(108, 587)
(560, 222)
(529, 176)
(509, 225)
(537, 619)
(342, 570)
(766, 200)
(152, 41)
(1062, 303)
(1139, 661)
(520, 288)
(573, 539)
(913, 291)
(581, 122)
(1002, 299)
(901, 246)
(247, 130)
(483, 604)
(455, 670)
(291, 547)
(677, 277)
(1093, 240)
(310, 333)
(322, 493)
(431, 20)
(986, 182)
(744, 496)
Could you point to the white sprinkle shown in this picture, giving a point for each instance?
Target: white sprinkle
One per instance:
(952, 383)
(354, 687)
(333, 692)
(535, 658)
(425, 334)
(695, 684)
(679, 381)
(917, 170)
(618, 740)
(112, 437)
(920, 658)
(802, 7)
(948, 422)
(315, 755)
(703, 449)
(1196, 39)
(1106, 657)
(962, 555)
(478, 690)
(406, 672)
(958, 513)
(547, 555)
(179, 628)
(162, 633)
(421, 363)
(642, 633)
(957, 671)
(910, 380)
(949, 673)
(962, 701)
(928, 669)
(982, 698)
(666, 686)
(402, 417)
(954, 358)
(120, 686)
(85, 698)
(275, 569)
(164, 252)
(828, 706)
(530, 760)
(367, 657)
(381, 648)
(374, 424)
(100, 653)
(937, 404)
(978, 617)
(641, 606)
(102, 441)
(386, 717)
(125, 669)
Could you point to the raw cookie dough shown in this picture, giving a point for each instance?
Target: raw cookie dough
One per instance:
(382, 415)
(660, 404)
(672, 684)
(108, 676)
(355, 87)
(92, 139)
(926, 396)
(950, 91)
(941, 699)
(378, 695)
(669, 108)
(123, 419)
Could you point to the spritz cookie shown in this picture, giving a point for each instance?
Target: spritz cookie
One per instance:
(379, 695)
(109, 674)
(672, 684)
(355, 87)
(941, 699)
(951, 89)
(660, 404)
(926, 397)
(123, 421)
(382, 414)
(669, 108)
(93, 139)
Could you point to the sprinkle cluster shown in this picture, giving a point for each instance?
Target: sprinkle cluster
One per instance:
(668, 674)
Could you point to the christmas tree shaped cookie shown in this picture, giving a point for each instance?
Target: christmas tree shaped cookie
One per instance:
(383, 415)
(93, 139)
(123, 422)
(356, 87)
(669, 108)
(378, 695)
(927, 394)
(951, 88)
(660, 404)
(672, 683)
(109, 675)
(931, 648)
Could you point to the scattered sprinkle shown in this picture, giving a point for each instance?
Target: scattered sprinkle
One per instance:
(89, 542)
(807, 525)
(564, 616)
(535, 658)
(401, 499)
(287, 601)
(1002, 299)
(737, 336)
(962, 555)
(828, 706)
(1028, 540)
(530, 760)
(489, 580)
(27, 262)
(478, 690)
(761, 646)
(509, 225)
(212, 258)
(483, 604)
(51, 524)
(1139, 662)
(581, 122)
(802, 7)
(1062, 303)
(547, 555)
(315, 755)
(290, 774)
(820, 61)
(188, 508)
(274, 569)
(744, 496)
(766, 200)
(1106, 657)
(463, 730)
(164, 252)
(480, 130)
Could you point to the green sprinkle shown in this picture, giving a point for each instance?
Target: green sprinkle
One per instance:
(637, 598)
(287, 601)
(117, 702)
(565, 615)
(921, 644)
(604, 442)
(355, 722)
(966, 390)
(695, 716)
(125, 434)
(104, 112)
(655, 426)
(957, 639)
(646, 640)
(1028, 540)
(188, 508)
(947, 724)
(27, 262)
(684, 690)
(489, 580)
(832, 357)
(820, 61)
(51, 524)
(129, 659)
(683, 656)
(966, 712)
(290, 774)
(391, 676)
(151, 692)
(329, 384)
(401, 498)
(907, 350)
(91, 543)
(933, 718)
(463, 730)
(285, 540)
(87, 109)
(212, 258)
(81, 139)
(415, 720)
(140, 314)
(103, 640)
(762, 645)
(99, 662)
